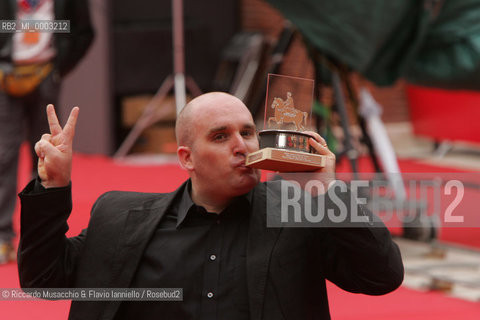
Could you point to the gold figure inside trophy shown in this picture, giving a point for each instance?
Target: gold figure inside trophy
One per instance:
(283, 145)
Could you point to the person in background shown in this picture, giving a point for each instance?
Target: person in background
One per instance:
(32, 66)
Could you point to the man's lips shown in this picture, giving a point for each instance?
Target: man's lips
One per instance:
(240, 163)
(244, 169)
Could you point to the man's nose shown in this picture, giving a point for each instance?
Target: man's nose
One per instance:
(239, 145)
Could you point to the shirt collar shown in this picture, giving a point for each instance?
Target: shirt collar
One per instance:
(186, 202)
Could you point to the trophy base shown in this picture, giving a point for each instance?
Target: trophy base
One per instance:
(285, 160)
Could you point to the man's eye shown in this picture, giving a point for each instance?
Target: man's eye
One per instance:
(248, 133)
(219, 137)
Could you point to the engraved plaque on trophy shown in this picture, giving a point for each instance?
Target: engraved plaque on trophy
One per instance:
(283, 145)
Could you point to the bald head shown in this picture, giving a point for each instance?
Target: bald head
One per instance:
(215, 132)
(196, 108)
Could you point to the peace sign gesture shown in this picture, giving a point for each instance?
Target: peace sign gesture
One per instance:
(54, 150)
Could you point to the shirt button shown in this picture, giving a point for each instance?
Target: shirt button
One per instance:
(213, 257)
(210, 295)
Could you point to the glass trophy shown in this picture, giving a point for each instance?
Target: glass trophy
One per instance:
(283, 145)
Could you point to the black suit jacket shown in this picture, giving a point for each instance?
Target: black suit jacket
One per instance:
(286, 267)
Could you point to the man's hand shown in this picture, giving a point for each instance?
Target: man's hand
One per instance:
(54, 150)
(321, 147)
(324, 175)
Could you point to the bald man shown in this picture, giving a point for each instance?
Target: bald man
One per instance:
(209, 237)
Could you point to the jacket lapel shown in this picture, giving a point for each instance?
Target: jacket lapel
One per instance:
(261, 241)
(139, 227)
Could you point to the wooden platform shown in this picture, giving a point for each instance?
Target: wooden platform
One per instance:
(285, 160)
(434, 266)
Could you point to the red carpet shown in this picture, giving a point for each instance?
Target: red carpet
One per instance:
(93, 175)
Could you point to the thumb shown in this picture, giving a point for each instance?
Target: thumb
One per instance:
(46, 149)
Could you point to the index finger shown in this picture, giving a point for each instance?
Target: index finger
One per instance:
(316, 136)
(69, 128)
(53, 123)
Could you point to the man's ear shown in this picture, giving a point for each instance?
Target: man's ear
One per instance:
(184, 154)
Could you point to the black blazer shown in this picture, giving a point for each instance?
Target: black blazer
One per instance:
(286, 267)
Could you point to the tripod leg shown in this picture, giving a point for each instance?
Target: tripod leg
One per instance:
(147, 118)
(320, 120)
(192, 86)
(350, 151)
(283, 43)
(371, 110)
(361, 122)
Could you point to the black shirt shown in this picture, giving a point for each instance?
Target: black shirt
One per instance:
(203, 253)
